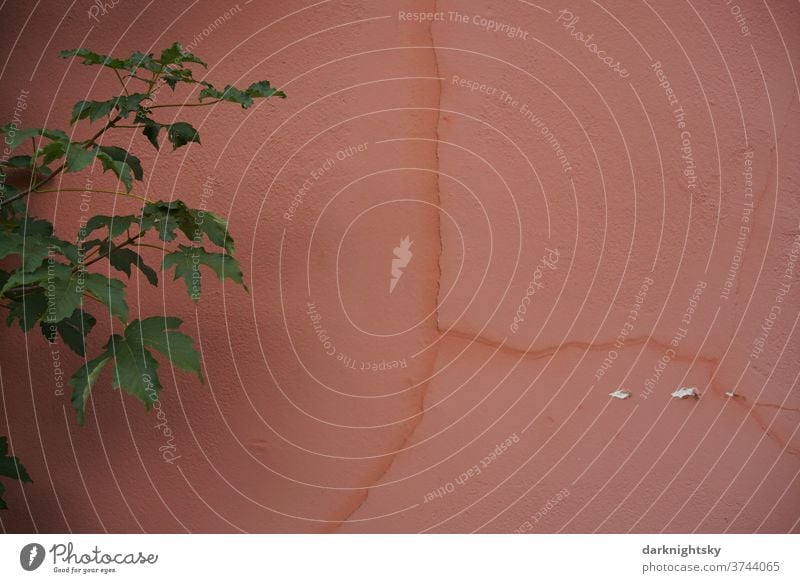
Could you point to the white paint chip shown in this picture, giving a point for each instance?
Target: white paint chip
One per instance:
(684, 392)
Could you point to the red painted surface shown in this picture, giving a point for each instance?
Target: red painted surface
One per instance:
(514, 159)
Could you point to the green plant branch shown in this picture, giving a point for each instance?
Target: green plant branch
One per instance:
(86, 143)
(145, 337)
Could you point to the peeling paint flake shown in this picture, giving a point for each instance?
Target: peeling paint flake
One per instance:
(621, 394)
(684, 392)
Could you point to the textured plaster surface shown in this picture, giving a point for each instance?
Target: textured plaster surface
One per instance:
(285, 437)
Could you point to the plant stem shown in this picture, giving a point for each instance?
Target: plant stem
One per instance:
(102, 130)
(91, 253)
(128, 194)
(121, 82)
(159, 247)
(120, 246)
(186, 104)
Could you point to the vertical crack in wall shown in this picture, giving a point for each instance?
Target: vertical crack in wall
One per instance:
(740, 303)
(355, 505)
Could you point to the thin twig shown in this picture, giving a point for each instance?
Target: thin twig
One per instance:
(128, 194)
(159, 247)
(121, 82)
(186, 104)
(110, 249)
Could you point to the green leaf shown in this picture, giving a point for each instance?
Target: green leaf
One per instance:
(139, 60)
(72, 330)
(32, 240)
(55, 135)
(94, 110)
(78, 157)
(170, 56)
(15, 136)
(32, 249)
(163, 217)
(230, 93)
(64, 290)
(260, 89)
(151, 131)
(135, 369)
(69, 251)
(193, 223)
(174, 55)
(181, 133)
(82, 382)
(171, 80)
(10, 211)
(92, 58)
(160, 333)
(43, 171)
(209, 91)
(175, 76)
(120, 155)
(121, 169)
(187, 262)
(63, 295)
(10, 466)
(185, 269)
(52, 151)
(264, 89)
(109, 291)
(27, 310)
(215, 228)
(37, 227)
(123, 258)
(127, 104)
(187, 220)
(235, 95)
(117, 224)
(18, 162)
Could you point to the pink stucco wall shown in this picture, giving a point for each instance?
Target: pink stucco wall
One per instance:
(515, 160)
